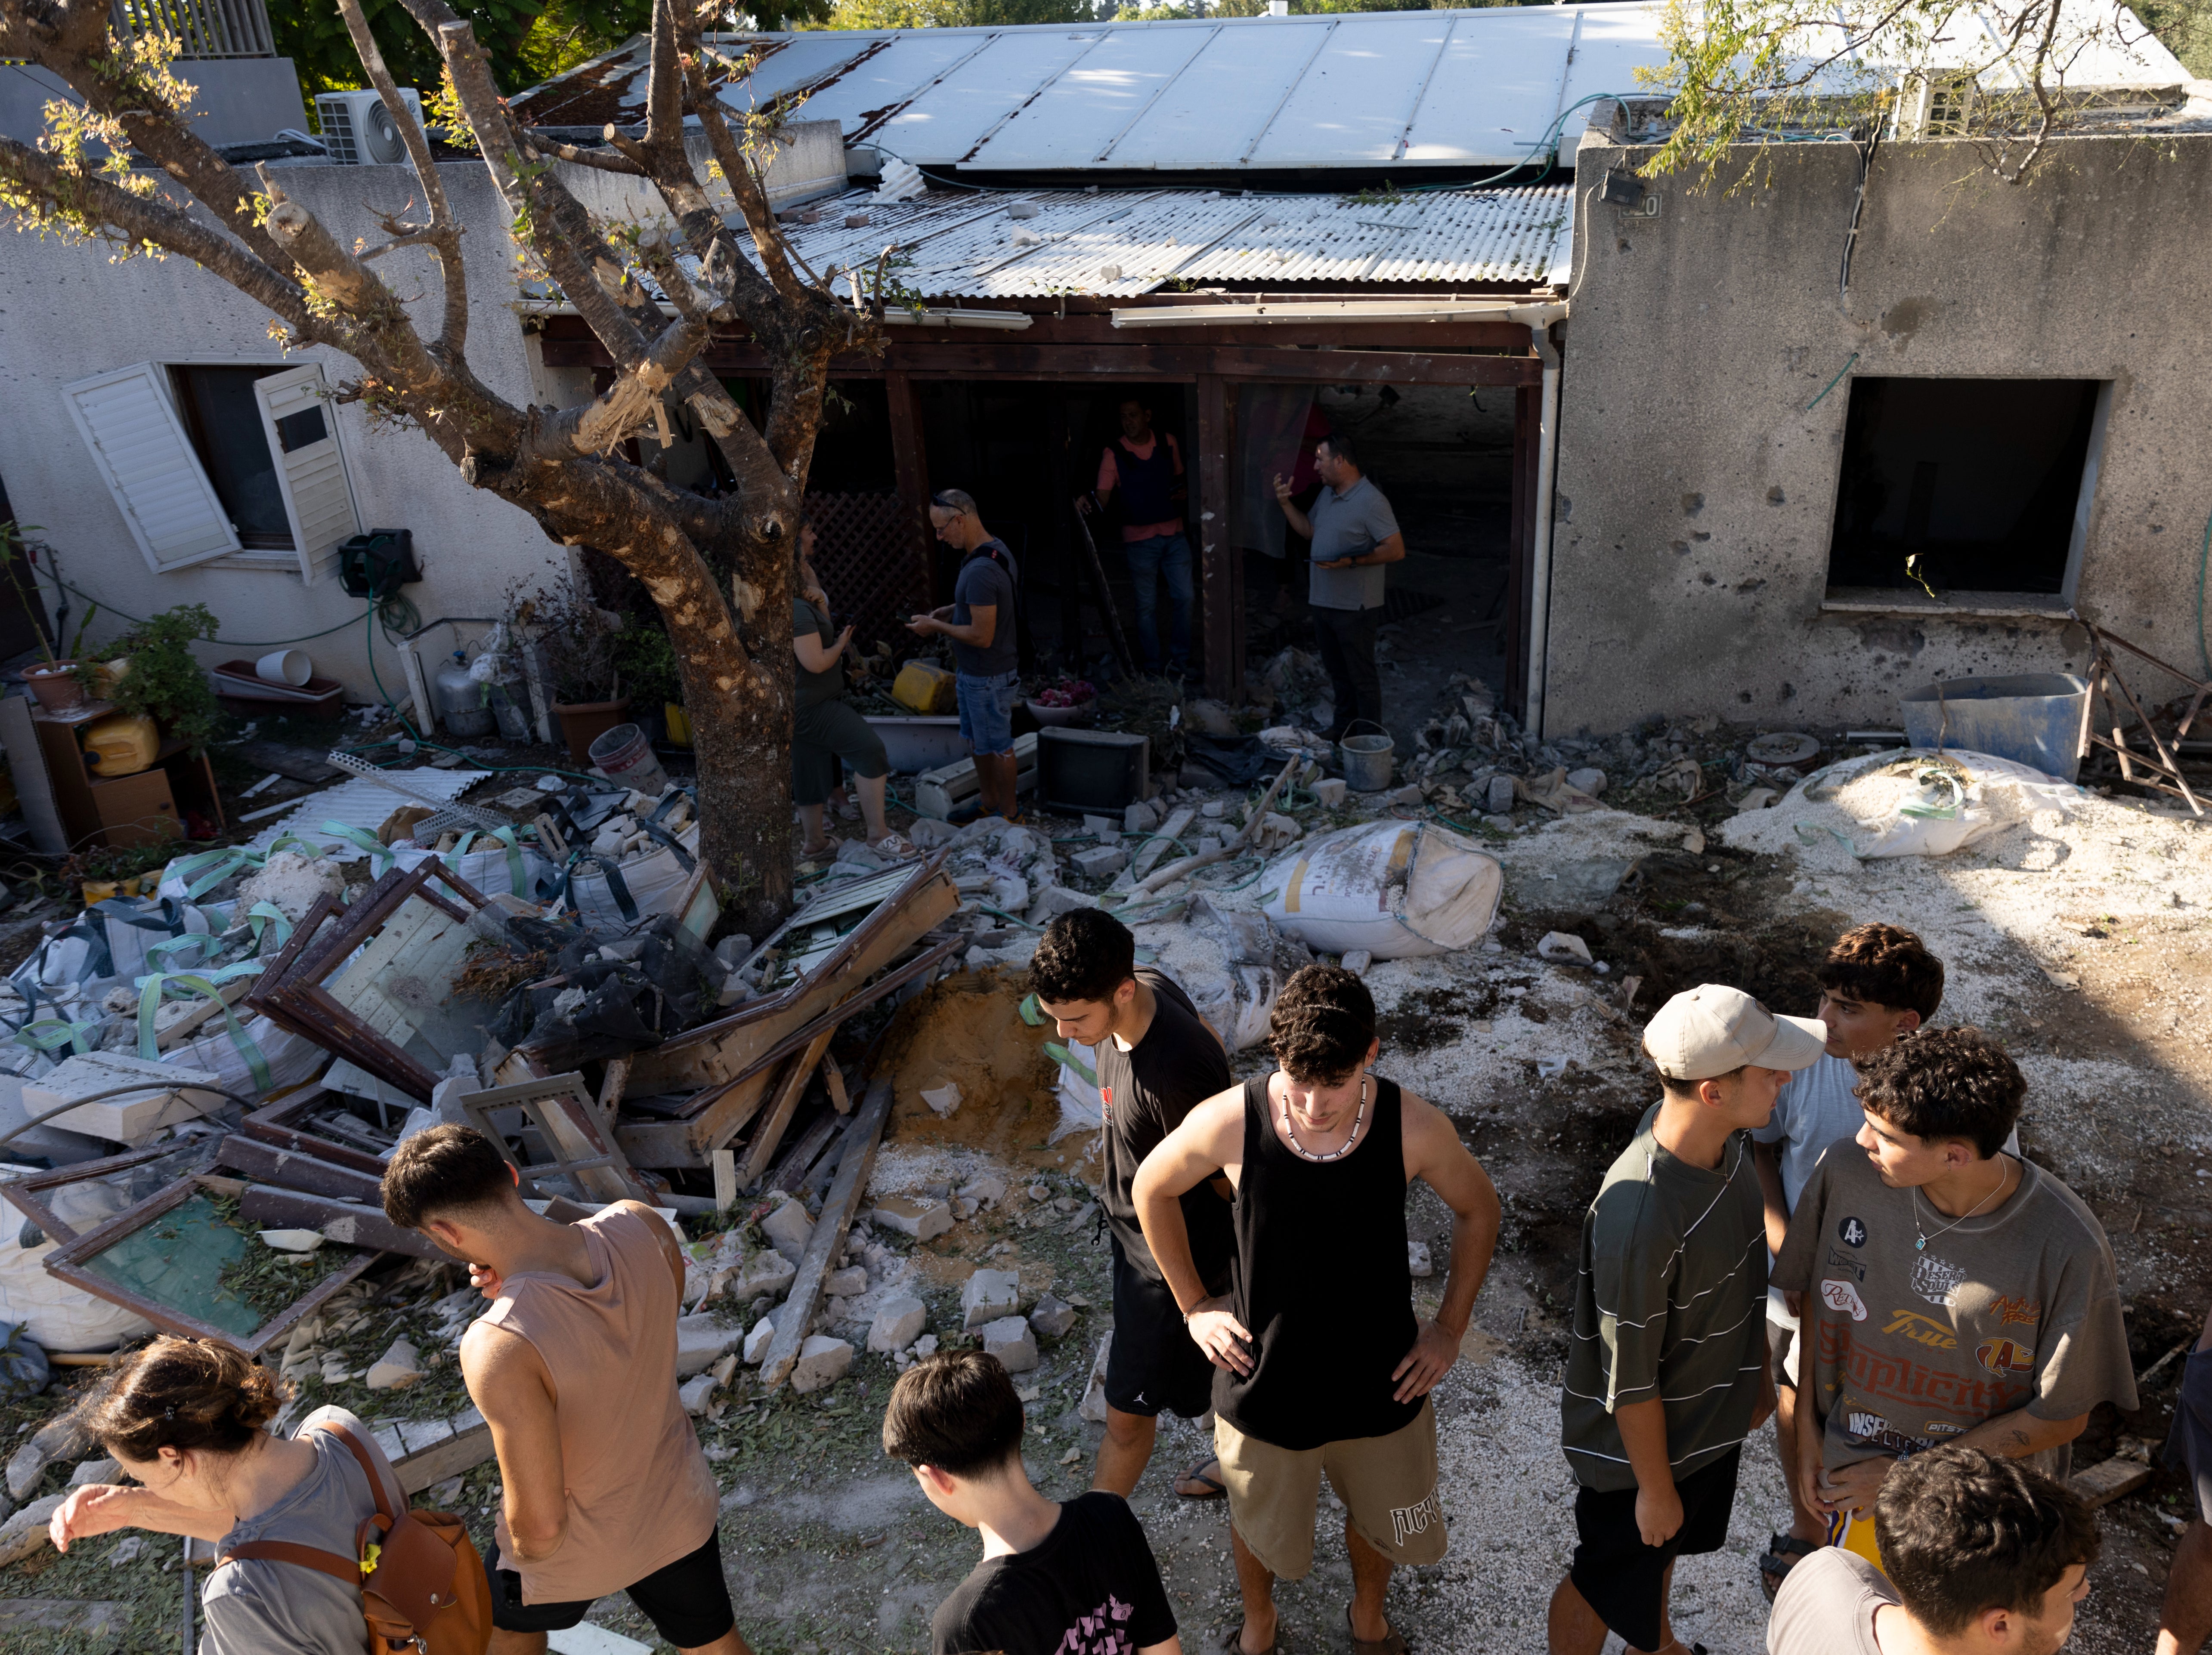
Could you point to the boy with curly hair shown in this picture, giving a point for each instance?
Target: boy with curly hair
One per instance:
(1879, 983)
(1950, 1292)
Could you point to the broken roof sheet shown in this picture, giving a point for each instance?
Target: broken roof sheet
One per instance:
(1477, 89)
(1122, 243)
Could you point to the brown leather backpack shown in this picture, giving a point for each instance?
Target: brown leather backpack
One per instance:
(422, 1583)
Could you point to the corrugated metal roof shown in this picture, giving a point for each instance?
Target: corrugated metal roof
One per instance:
(1407, 90)
(1123, 243)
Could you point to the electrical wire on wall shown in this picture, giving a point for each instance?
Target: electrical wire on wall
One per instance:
(1866, 153)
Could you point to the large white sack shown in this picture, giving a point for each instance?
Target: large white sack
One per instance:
(1908, 803)
(288, 1057)
(1393, 889)
(652, 880)
(58, 1316)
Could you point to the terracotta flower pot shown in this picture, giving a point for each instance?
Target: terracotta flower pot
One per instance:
(56, 689)
(583, 723)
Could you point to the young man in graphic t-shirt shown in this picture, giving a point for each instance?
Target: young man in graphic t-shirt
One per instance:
(1668, 1372)
(1878, 984)
(1077, 1578)
(1985, 1557)
(1157, 1061)
(1949, 1292)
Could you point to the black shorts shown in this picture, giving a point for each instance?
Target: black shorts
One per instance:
(687, 1601)
(1621, 1577)
(1155, 1364)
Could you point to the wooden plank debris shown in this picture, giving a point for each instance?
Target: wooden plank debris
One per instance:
(1156, 846)
(770, 1133)
(2106, 1480)
(828, 1240)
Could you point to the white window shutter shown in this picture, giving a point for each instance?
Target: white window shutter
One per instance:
(302, 424)
(127, 420)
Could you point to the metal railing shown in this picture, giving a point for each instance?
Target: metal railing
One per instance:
(207, 28)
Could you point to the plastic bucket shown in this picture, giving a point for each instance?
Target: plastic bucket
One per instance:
(285, 666)
(1366, 759)
(627, 757)
(2038, 720)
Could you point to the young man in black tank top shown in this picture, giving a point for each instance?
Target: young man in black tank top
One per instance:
(1157, 1061)
(1320, 1364)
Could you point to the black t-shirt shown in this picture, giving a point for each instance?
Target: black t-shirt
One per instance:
(1148, 1091)
(1090, 1587)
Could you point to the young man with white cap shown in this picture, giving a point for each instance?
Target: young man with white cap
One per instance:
(1669, 1370)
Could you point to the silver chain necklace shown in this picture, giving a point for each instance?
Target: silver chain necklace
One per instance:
(1341, 1149)
(1921, 1246)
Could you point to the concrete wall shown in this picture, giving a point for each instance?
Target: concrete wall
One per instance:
(240, 99)
(1698, 473)
(67, 314)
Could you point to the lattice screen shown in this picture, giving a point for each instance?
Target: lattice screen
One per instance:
(870, 565)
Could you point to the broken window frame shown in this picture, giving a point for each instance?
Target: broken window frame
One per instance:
(605, 1174)
(66, 1263)
(290, 991)
(279, 1124)
(23, 1193)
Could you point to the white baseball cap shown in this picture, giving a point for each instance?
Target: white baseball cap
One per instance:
(1713, 1030)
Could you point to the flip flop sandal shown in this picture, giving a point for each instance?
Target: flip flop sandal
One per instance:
(896, 845)
(1390, 1643)
(1215, 1490)
(1233, 1641)
(1774, 1566)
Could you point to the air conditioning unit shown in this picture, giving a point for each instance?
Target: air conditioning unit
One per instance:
(358, 131)
(1934, 105)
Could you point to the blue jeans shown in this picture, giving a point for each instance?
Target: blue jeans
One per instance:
(1168, 558)
(986, 710)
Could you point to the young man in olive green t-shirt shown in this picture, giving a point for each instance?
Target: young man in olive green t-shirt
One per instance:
(1668, 1370)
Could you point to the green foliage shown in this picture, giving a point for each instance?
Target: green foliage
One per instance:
(956, 14)
(2186, 27)
(1745, 75)
(525, 41)
(647, 661)
(166, 679)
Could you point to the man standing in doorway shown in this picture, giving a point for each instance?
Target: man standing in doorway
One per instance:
(1353, 534)
(1158, 1061)
(1146, 466)
(980, 621)
(1323, 1366)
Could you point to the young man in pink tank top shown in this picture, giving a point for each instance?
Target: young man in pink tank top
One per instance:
(573, 1367)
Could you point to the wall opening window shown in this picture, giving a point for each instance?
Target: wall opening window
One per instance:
(1984, 484)
(225, 423)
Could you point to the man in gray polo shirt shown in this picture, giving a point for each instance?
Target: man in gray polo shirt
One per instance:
(1354, 533)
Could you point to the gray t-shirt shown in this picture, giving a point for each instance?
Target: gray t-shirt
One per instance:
(1826, 1606)
(985, 582)
(257, 1606)
(1350, 525)
(1670, 1303)
(1906, 1346)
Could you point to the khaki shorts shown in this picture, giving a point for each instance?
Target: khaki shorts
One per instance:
(1388, 1484)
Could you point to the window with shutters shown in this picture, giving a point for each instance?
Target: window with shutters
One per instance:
(224, 422)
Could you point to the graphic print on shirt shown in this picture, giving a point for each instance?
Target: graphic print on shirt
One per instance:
(1937, 1279)
(1104, 1631)
(1871, 1373)
(1852, 1233)
(1842, 1295)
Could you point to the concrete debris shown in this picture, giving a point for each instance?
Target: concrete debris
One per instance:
(1588, 780)
(926, 1345)
(398, 1367)
(25, 1533)
(1056, 899)
(1093, 1405)
(1563, 945)
(985, 1189)
(1499, 796)
(923, 1220)
(292, 1240)
(701, 1340)
(1101, 861)
(988, 1295)
(788, 1229)
(943, 1099)
(292, 882)
(757, 1342)
(62, 1439)
(822, 1361)
(1011, 1342)
(1418, 1261)
(1330, 793)
(847, 1283)
(898, 1324)
(695, 1392)
(1357, 961)
(1053, 1316)
(1213, 810)
(92, 1472)
(1140, 818)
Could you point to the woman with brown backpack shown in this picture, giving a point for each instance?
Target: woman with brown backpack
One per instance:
(317, 1553)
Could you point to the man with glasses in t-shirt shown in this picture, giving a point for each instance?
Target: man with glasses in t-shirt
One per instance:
(980, 621)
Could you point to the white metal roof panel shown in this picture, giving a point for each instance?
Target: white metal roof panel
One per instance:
(1125, 243)
(951, 116)
(1222, 103)
(887, 75)
(1079, 115)
(1355, 100)
(796, 60)
(1496, 90)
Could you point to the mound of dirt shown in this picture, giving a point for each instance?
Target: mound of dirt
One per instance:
(968, 1030)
